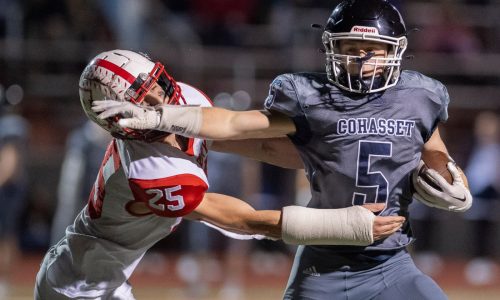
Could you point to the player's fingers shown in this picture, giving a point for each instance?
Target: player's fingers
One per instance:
(438, 178)
(103, 108)
(100, 105)
(389, 219)
(374, 207)
(384, 231)
(387, 227)
(111, 112)
(386, 220)
(427, 188)
(390, 229)
(452, 167)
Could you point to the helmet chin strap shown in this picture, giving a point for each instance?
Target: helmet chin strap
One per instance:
(364, 84)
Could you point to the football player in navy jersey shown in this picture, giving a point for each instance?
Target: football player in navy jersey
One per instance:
(360, 129)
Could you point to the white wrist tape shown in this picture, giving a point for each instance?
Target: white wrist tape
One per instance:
(182, 120)
(309, 226)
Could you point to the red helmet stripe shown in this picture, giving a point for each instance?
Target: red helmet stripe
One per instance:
(115, 69)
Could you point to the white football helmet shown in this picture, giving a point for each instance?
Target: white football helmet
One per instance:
(124, 76)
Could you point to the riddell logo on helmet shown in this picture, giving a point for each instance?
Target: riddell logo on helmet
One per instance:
(363, 29)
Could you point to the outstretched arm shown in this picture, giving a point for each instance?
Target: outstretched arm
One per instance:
(193, 121)
(216, 124)
(298, 225)
(219, 123)
(237, 216)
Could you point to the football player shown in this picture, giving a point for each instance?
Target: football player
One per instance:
(149, 180)
(360, 129)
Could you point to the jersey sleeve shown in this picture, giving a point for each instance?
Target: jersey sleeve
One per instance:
(169, 182)
(444, 99)
(440, 98)
(435, 92)
(283, 98)
(431, 107)
(174, 196)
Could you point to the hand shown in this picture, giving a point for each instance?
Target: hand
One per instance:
(185, 120)
(132, 116)
(384, 226)
(452, 197)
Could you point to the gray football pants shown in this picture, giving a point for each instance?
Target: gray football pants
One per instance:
(314, 276)
(45, 291)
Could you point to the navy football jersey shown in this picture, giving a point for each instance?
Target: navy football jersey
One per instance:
(361, 148)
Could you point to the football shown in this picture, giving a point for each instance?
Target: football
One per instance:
(436, 160)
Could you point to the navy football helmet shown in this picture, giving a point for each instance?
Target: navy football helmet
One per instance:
(366, 20)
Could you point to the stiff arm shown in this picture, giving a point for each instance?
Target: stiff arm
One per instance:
(307, 225)
(193, 121)
(297, 225)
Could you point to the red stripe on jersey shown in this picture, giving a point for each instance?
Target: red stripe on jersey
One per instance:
(174, 196)
(115, 69)
(97, 194)
(190, 150)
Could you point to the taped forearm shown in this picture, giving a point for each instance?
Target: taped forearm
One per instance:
(309, 226)
(182, 120)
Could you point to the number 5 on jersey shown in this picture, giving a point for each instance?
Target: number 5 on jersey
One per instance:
(366, 177)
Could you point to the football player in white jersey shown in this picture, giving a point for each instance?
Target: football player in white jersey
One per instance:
(149, 180)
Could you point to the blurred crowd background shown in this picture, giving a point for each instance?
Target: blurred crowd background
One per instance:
(50, 154)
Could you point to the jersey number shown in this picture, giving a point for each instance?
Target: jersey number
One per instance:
(368, 178)
(177, 201)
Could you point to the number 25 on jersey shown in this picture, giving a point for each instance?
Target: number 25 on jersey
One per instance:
(176, 201)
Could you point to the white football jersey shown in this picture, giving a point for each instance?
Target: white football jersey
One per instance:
(107, 240)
